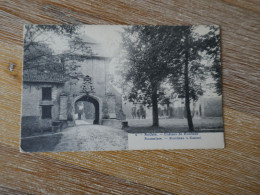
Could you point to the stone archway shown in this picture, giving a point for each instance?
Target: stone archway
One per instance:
(96, 101)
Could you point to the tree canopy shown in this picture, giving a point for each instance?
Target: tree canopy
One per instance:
(145, 65)
(38, 54)
(173, 54)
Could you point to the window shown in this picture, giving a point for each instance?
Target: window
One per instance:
(46, 112)
(46, 93)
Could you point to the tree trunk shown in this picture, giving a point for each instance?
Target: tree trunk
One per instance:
(155, 108)
(187, 88)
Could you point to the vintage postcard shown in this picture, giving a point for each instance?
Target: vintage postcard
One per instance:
(113, 87)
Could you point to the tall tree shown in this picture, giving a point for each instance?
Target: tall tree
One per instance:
(213, 51)
(189, 73)
(174, 53)
(144, 70)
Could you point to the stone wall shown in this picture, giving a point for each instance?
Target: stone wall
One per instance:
(204, 107)
(98, 69)
(212, 107)
(112, 123)
(32, 121)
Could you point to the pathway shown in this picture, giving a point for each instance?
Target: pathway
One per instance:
(90, 137)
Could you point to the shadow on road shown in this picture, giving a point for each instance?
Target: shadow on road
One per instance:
(44, 143)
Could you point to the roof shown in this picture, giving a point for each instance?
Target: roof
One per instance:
(34, 75)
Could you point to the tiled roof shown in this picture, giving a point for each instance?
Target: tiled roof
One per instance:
(32, 75)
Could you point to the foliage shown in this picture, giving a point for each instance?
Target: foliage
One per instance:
(156, 54)
(38, 54)
(144, 70)
(148, 62)
(214, 53)
(189, 54)
(188, 76)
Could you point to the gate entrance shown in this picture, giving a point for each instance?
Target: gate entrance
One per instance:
(95, 101)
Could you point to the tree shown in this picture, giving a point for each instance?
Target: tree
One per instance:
(38, 54)
(188, 74)
(156, 54)
(144, 69)
(213, 51)
(35, 49)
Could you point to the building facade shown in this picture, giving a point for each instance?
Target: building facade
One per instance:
(50, 99)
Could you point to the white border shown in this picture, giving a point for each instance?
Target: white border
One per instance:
(184, 140)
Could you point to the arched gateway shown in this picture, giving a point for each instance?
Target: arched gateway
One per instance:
(96, 101)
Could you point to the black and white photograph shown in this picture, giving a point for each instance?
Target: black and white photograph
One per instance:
(116, 87)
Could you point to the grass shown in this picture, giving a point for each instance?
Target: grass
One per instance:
(174, 125)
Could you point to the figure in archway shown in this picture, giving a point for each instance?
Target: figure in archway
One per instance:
(138, 113)
(79, 106)
(88, 98)
(133, 112)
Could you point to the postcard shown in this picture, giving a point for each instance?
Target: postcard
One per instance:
(114, 87)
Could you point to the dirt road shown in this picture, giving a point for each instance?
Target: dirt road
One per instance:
(84, 136)
(92, 137)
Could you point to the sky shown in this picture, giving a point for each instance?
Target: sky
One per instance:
(108, 36)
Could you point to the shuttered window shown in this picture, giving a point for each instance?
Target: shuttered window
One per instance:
(46, 112)
(46, 93)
